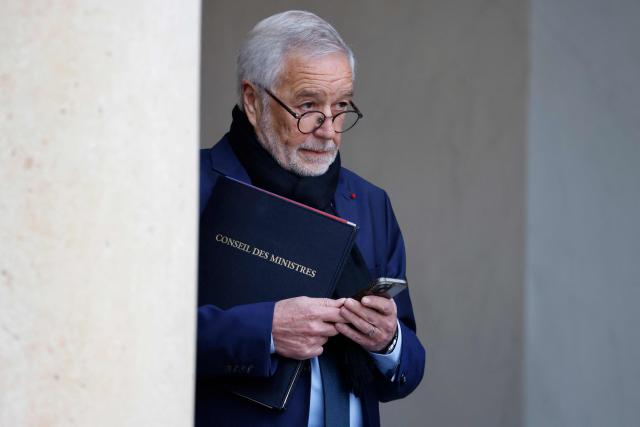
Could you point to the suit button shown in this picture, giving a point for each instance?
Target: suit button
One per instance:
(403, 379)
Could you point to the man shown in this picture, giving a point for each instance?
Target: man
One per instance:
(295, 83)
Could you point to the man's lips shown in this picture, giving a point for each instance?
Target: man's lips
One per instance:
(316, 152)
(314, 156)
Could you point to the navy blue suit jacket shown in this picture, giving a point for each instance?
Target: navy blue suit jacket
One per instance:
(235, 342)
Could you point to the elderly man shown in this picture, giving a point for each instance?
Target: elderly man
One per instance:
(295, 82)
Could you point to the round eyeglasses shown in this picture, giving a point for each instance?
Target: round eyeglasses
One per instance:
(310, 121)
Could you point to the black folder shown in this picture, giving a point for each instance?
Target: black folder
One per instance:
(256, 246)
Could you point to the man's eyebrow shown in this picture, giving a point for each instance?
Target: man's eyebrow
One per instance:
(310, 93)
(346, 94)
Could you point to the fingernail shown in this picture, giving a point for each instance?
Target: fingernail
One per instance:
(365, 300)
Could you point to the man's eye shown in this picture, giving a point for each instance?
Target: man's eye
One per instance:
(342, 106)
(306, 106)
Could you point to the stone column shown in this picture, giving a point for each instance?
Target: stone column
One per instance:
(98, 212)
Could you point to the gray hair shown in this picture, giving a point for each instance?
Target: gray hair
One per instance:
(264, 52)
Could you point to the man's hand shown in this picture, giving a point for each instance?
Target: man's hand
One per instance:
(302, 325)
(373, 321)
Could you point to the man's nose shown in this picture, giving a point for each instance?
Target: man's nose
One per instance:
(326, 130)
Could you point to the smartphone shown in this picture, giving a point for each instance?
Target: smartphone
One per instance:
(383, 287)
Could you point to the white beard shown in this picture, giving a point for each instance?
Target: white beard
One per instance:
(289, 158)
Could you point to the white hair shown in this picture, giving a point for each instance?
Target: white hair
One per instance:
(265, 50)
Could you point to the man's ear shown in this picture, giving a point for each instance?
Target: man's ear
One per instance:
(251, 102)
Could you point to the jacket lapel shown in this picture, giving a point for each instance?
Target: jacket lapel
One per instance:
(346, 206)
(225, 162)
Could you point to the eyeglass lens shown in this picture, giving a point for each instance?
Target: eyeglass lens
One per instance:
(342, 122)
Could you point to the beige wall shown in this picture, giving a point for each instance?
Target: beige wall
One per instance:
(442, 85)
(98, 207)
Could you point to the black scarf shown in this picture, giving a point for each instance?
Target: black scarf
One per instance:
(357, 367)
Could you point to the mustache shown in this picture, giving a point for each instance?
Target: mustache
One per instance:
(319, 146)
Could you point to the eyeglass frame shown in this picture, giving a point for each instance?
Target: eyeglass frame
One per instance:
(299, 117)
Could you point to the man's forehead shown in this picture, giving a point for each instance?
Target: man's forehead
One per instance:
(317, 76)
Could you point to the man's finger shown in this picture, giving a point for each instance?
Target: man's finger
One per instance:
(330, 314)
(362, 325)
(328, 302)
(381, 304)
(326, 329)
(327, 309)
(368, 314)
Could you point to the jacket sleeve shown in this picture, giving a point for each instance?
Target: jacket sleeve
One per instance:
(235, 342)
(412, 357)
